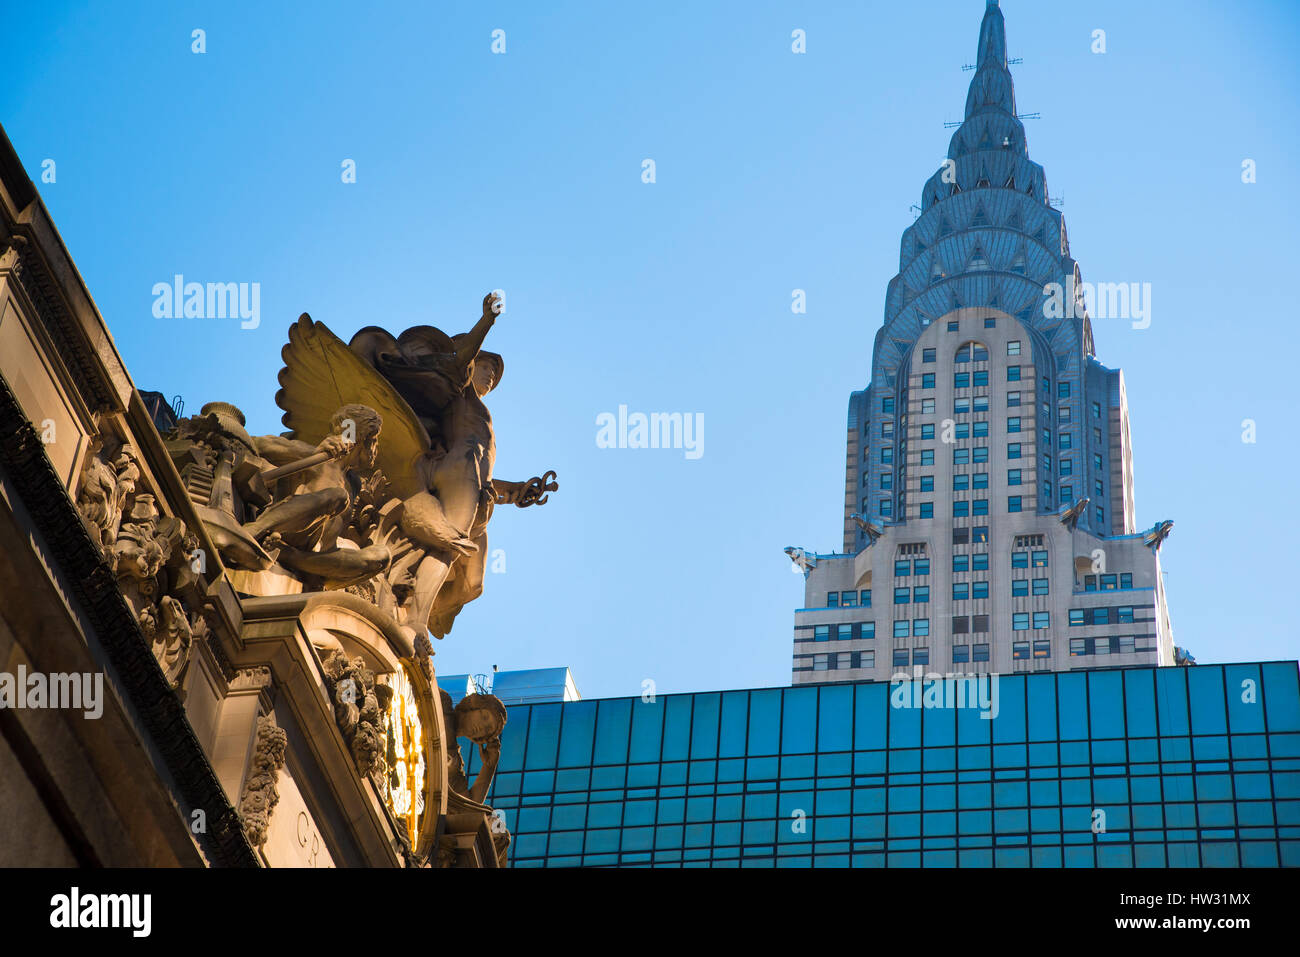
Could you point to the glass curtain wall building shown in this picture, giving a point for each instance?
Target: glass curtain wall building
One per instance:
(1145, 767)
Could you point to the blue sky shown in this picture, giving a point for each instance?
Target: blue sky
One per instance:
(775, 171)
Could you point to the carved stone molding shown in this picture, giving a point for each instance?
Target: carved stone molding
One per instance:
(260, 794)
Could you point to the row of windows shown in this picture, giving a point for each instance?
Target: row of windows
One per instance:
(1114, 645)
(964, 590)
(849, 599)
(847, 631)
(1020, 621)
(843, 659)
(1108, 582)
(973, 351)
(916, 596)
(1101, 616)
(905, 567)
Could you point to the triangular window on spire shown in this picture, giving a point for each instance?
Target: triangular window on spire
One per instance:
(1040, 236)
(1018, 264)
(1030, 188)
(955, 190)
(935, 201)
(1014, 221)
(945, 227)
(1011, 182)
(936, 270)
(977, 261)
(920, 246)
(980, 218)
(986, 143)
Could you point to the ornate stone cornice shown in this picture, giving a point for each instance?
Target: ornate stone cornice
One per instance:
(23, 458)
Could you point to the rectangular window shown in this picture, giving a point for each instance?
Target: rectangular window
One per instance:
(960, 483)
(980, 506)
(822, 633)
(960, 654)
(1063, 390)
(887, 405)
(886, 480)
(920, 594)
(1013, 373)
(1013, 476)
(887, 429)
(1020, 621)
(920, 627)
(979, 589)
(848, 599)
(1066, 440)
(1101, 516)
(832, 599)
(885, 507)
(960, 509)
(927, 406)
(952, 325)
(1063, 414)
(920, 656)
(1078, 646)
(1040, 586)
(927, 355)
(990, 322)
(1042, 619)
(960, 536)
(1126, 580)
(902, 596)
(960, 563)
(1096, 462)
(979, 653)
(1019, 587)
(927, 431)
(980, 403)
(980, 377)
(902, 628)
(960, 591)
(866, 597)
(1013, 347)
(900, 657)
(927, 380)
(979, 480)
(927, 456)
(1076, 617)
(927, 483)
(1096, 410)
(1042, 649)
(1013, 400)
(1013, 503)
(921, 567)
(960, 406)
(1020, 649)
(1019, 559)
(1040, 559)
(961, 380)
(979, 534)
(980, 562)
(960, 625)
(821, 662)
(961, 430)
(979, 624)
(1013, 450)
(887, 455)
(980, 429)
(1089, 582)
(1101, 616)
(1067, 467)
(844, 632)
(867, 629)
(1013, 424)
(1098, 488)
(1125, 613)
(979, 454)
(1108, 582)
(925, 510)
(1067, 493)
(866, 659)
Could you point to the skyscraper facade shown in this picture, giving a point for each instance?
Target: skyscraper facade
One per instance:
(989, 521)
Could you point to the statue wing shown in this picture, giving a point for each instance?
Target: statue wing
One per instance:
(321, 374)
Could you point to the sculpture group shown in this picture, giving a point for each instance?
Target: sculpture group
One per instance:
(382, 484)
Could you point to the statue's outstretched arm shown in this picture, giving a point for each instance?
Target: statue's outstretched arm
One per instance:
(278, 450)
(468, 347)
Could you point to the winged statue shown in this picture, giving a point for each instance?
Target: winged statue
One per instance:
(382, 483)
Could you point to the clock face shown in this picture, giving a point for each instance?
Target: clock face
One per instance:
(404, 784)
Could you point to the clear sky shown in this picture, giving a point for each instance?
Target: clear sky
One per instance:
(775, 171)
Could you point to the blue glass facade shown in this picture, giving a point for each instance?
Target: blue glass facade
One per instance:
(1146, 767)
